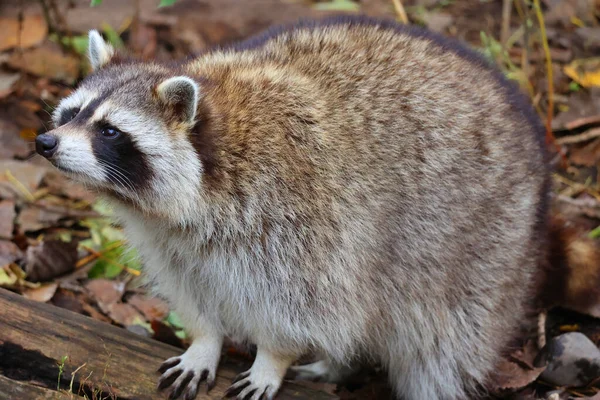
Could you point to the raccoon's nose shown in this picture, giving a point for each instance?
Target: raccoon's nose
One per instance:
(46, 145)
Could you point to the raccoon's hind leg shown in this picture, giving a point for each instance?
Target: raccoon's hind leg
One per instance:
(263, 379)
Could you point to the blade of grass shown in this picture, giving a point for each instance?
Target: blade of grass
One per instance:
(400, 11)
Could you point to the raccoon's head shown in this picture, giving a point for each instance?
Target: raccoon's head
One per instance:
(125, 132)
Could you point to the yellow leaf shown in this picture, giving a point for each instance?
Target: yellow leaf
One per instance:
(585, 71)
(28, 134)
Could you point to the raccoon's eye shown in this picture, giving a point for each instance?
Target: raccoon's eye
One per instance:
(110, 132)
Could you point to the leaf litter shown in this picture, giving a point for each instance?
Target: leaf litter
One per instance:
(56, 246)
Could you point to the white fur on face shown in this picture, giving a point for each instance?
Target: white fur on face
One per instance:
(80, 99)
(76, 157)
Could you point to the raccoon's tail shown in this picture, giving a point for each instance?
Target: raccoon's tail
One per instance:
(570, 271)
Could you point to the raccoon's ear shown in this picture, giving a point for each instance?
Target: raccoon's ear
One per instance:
(99, 52)
(181, 93)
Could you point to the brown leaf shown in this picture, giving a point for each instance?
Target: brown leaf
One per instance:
(105, 292)
(510, 375)
(164, 333)
(587, 155)
(11, 143)
(93, 313)
(28, 174)
(60, 185)
(33, 218)
(34, 30)
(7, 218)
(68, 300)
(50, 259)
(124, 314)
(49, 61)
(9, 252)
(527, 354)
(6, 82)
(43, 294)
(152, 307)
(583, 105)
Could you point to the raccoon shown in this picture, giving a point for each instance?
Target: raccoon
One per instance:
(347, 187)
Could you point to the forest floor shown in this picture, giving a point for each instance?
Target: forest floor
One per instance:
(57, 246)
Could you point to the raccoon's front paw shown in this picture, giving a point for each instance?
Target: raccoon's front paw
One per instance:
(261, 384)
(185, 374)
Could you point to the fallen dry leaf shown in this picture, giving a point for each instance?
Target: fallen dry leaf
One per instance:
(6, 82)
(7, 218)
(48, 61)
(124, 314)
(32, 218)
(68, 300)
(105, 292)
(43, 293)
(586, 71)
(50, 259)
(152, 307)
(34, 30)
(587, 155)
(27, 174)
(164, 333)
(11, 143)
(510, 375)
(9, 252)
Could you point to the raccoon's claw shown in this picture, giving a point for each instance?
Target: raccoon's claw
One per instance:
(247, 387)
(184, 378)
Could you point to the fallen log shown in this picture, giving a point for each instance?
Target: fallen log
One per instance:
(47, 352)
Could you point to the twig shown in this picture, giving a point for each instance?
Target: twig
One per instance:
(504, 34)
(577, 185)
(116, 264)
(582, 137)
(400, 11)
(47, 17)
(549, 76)
(19, 186)
(73, 377)
(95, 255)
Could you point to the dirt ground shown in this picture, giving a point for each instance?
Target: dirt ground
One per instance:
(57, 247)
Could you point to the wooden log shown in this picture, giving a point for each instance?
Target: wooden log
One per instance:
(12, 389)
(98, 360)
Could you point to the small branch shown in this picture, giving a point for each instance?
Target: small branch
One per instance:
(19, 186)
(400, 11)
(582, 137)
(505, 33)
(549, 76)
(99, 255)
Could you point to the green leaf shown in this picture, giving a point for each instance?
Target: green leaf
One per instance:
(5, 279)
(112, 36)
(112, 271)
(337, 5)
(181, 334)
(95, 3)
(97, 271)
(595, 234)
(173, 320)
(574, 86)
(166, 3)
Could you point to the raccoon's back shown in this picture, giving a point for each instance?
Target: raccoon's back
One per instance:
(363, 114)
